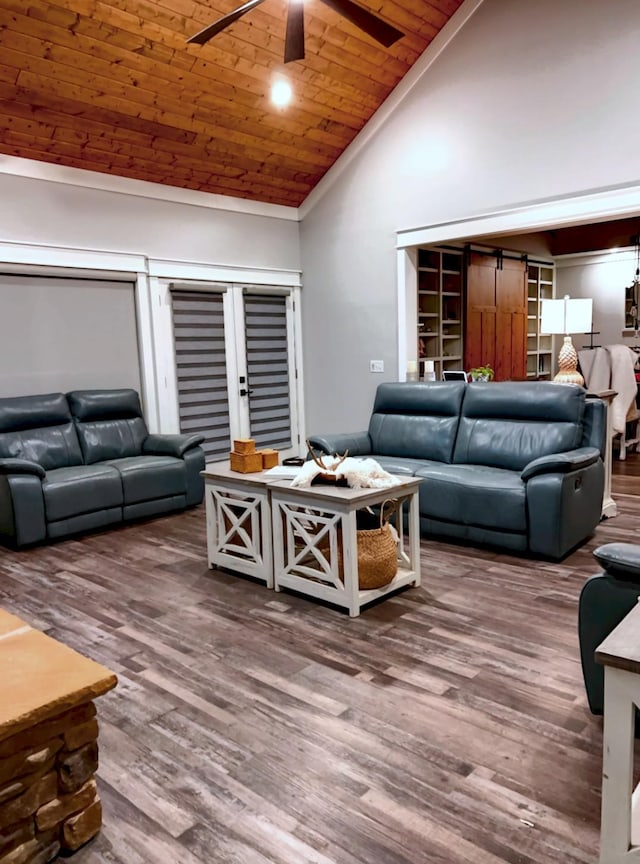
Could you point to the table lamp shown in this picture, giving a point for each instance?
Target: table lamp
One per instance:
(567, 316)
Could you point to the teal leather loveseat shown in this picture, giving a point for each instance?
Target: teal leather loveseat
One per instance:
(80, 461)
(516, 465)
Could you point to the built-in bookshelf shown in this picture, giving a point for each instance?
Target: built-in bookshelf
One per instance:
(539, 346)
(440, 310)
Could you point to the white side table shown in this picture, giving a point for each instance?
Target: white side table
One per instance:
(238, 521)
(311, 525)
(620, 818)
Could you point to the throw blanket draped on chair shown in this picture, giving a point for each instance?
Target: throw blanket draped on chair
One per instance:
(613, 368)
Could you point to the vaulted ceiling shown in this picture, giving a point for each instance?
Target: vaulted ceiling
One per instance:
(112, 86)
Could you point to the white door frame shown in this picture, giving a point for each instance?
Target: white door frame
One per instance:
(194, 278)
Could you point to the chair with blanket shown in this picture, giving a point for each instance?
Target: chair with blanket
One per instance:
(613, 368)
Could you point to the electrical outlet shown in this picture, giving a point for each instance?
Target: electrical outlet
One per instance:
(376, 366)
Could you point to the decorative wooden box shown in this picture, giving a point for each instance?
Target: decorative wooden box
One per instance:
(242, 446)
(245, 463)
(270, 458)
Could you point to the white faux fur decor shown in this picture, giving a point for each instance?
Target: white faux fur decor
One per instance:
(359, 473)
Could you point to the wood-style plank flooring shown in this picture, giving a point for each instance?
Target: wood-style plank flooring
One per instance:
(446, 724)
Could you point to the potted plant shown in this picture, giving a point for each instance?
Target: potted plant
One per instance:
(481, 373)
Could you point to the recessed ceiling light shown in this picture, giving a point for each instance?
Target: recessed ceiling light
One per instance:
(281, 93)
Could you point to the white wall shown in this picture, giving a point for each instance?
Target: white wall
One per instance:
(530, 101)
(60, 214)
(604, 278)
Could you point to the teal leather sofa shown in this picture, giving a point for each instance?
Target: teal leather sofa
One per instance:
(84, 460)
(518, 465)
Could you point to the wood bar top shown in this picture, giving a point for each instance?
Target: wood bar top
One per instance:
(42, 677)
(621, 648)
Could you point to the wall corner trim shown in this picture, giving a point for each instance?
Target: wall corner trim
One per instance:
(391, 103)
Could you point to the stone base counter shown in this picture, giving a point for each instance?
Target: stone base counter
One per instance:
(48, 745)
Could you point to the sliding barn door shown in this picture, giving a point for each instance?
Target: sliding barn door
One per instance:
(480, 327)
(511, 321)
(496, 320)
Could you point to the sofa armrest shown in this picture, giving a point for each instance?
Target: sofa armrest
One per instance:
(170, 445)
(357, 443)
(22, 466)
(561, 463)
(620, 559)
(22, 514)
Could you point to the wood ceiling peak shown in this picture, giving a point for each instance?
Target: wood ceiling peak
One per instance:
(112, 86)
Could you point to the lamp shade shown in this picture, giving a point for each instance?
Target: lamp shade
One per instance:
(552, 318)
(566, 316)
(579, 316)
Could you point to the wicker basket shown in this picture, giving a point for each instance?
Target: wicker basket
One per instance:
(377, 552)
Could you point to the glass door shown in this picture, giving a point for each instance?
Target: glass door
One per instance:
(235, 367)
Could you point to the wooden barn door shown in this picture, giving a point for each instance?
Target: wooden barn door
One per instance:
(496, 319)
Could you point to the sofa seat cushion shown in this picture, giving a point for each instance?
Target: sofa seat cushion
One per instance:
(147, 477)
(80, 489)
(474, 495)
(401, 466)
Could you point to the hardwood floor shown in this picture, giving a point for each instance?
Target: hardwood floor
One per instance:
(446, 724)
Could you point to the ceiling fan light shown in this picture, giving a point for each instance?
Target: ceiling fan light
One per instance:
(281, 93)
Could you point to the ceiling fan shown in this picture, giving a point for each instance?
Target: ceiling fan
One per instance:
(294, 39)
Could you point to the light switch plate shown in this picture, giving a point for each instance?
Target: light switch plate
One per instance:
(376, 366)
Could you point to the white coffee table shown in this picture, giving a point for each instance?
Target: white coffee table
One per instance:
(309, 525)
(238, 521)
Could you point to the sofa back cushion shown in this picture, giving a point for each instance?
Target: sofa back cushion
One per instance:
(39, 428)
(507, 424)
(416, 420)
(109, 422)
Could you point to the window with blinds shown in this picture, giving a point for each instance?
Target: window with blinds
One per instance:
(60, 333)
(268, 370)
(201, 367)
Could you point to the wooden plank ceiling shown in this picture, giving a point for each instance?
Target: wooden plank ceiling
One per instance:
(112, 86)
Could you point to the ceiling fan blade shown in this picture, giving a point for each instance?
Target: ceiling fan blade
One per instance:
(365, 20)
(213, 29)
(294, 41)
